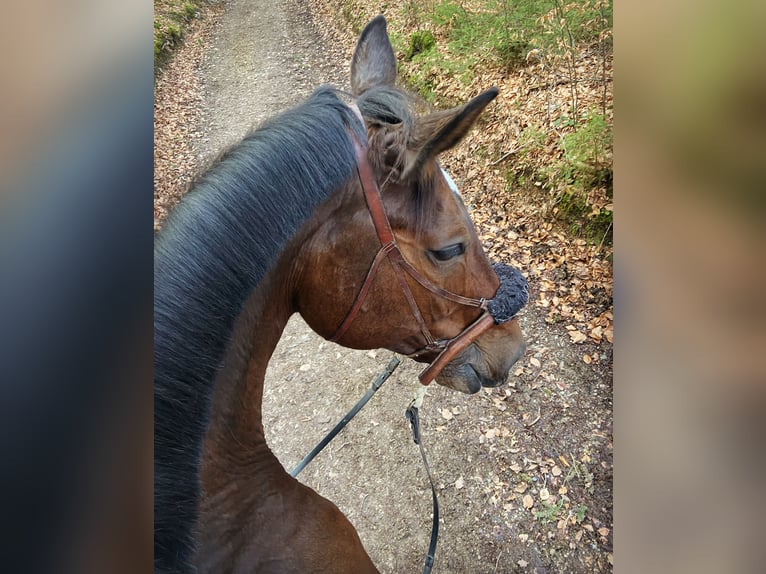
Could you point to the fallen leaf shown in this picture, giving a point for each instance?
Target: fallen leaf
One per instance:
(577, 337)
(587, 359)
(522, 563)
(459, 483)
(556, 471)
(544, 494)
(603, 531)
(535, 362)
(528, 501)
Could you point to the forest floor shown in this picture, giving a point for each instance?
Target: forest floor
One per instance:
(523, 472)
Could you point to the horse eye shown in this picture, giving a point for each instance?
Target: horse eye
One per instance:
(449, 252)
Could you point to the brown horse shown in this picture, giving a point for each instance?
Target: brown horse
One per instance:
(292, 220)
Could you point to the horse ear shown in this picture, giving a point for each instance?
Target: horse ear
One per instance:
(439, 131)
(374, 63)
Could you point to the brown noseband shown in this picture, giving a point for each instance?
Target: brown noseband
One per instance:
(446, 349)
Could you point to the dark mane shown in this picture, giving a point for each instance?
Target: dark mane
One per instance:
(212, 252)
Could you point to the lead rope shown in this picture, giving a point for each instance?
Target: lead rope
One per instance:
(390, 368)
(412, 415)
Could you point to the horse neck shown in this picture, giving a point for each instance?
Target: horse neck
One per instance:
(254, 517)
(235, 438)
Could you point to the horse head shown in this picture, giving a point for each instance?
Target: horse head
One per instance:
(438, 281)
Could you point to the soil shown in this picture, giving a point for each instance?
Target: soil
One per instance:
(523, 472)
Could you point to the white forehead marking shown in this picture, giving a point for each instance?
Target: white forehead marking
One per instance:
(451, 183)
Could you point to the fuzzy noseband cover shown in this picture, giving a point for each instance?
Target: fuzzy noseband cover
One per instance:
(511, 296)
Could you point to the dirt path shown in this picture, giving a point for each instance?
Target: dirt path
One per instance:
(524, 472)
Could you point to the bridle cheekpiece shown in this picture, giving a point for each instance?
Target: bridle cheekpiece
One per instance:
(510, 297)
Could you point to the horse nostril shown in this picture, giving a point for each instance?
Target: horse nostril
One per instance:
(519, 353)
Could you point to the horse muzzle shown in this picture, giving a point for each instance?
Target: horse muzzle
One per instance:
(510, 297)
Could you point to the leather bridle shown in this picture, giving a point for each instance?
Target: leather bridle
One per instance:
(444, 349)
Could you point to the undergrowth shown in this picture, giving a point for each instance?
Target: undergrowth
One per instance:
(458, 39)
(580, 181)
(451, 39)
(171, 18)
(503, 32)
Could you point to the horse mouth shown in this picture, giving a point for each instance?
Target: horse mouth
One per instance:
(467, 379)
(486, 381)
(469, 376)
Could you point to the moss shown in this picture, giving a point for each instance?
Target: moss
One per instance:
(420, 41)
(575, 212)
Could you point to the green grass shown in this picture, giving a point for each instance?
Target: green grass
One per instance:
(171, 18)
(495, 32)
(585, 164)
(587, 152)
(504, 31)
(499, 32)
